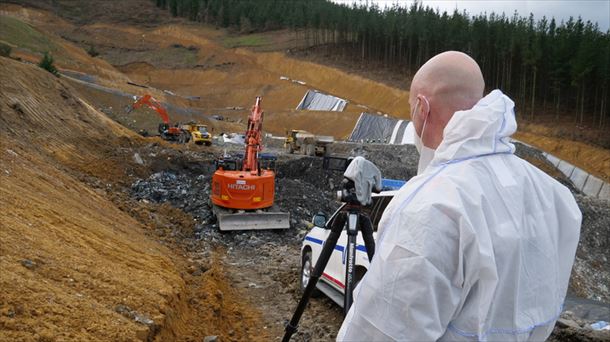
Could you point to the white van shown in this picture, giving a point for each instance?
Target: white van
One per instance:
(332, 282)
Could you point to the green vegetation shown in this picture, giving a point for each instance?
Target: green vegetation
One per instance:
(171, 56)
(546, 66)
(47, 63)
(22, 35)
(249, 40)
(175, 56)
(92, 51)
(5, 50)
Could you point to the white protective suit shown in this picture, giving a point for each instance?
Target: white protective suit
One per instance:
(478, 247)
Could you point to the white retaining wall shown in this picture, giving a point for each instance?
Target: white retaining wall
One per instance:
(583, 181)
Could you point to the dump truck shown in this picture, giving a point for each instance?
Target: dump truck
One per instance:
(199, 133)
(303, 142)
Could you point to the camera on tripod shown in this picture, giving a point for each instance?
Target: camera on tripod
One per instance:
(348, 193)
(360, 179)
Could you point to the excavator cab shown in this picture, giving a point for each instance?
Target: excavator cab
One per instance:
(163, 128)
(228, 163)
(267, 161)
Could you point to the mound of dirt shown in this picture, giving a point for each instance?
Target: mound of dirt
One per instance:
(352, 87)
(69, 256)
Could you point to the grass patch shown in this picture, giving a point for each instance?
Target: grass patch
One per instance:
(247, 40)
(167, 57)
(19, 34)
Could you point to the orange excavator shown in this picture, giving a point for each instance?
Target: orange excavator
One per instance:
(243, 189)
(166, 130)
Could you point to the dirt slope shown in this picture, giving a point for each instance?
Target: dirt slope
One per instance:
(30, 33)
(74, 265)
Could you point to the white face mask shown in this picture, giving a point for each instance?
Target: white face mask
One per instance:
(426, 154)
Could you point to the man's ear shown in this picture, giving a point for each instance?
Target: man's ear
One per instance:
(424, 107)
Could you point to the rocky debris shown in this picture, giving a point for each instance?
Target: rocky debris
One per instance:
(191, 194)
(138, 159)
(183, 191)
(570, 327)
(211, 338)
(29, 264)
(132, 314)
(591, 271)
(567, 323)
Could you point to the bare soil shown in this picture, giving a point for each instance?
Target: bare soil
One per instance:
(77, 262)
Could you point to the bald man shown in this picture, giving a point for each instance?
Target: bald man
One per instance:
(480, 244)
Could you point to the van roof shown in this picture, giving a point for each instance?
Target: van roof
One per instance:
(386, 193)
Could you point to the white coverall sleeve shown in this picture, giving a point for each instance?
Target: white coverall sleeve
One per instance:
(415, 281)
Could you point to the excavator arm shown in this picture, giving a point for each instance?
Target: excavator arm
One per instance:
(166, 130)
(253, 138)
(152, 103)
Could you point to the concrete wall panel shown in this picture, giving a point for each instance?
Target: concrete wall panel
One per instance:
(592, 186)
(566, 168)
(605, 192)
(579, 178)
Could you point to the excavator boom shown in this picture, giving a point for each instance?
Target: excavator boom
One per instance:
(253, 138)
(152, 103)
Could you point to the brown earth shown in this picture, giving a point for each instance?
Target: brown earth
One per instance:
(76, 265)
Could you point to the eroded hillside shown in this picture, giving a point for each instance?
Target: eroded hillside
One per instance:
(75, 264)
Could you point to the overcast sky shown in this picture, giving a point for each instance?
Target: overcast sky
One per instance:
(593, 10)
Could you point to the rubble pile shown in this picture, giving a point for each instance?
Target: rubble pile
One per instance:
(183, 191)
(191, 193)
(591, 270)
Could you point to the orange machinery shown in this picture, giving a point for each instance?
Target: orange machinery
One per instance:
(243, 196)
(166, 131)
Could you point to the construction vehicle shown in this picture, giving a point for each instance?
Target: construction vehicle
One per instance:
(166, 130)
(199, 133)
(243, 189)
(307, 143)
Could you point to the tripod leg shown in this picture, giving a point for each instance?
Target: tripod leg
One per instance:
(352, 234)
(327, 251)
(366, 227)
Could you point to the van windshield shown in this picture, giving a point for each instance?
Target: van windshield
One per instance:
(377, 209)
(374, 210)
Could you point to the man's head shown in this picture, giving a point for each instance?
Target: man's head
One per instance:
(448, 82)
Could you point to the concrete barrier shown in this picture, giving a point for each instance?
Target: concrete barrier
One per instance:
(579, 178)
(565, 168)
(604, 193)
(554, 160)
(593, 186)
(582, 180)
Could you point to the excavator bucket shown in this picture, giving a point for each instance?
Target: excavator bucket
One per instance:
(253, 220)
